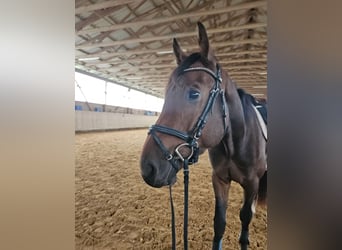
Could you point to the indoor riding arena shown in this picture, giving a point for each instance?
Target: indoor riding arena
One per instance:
(129, 43)
(115, 209)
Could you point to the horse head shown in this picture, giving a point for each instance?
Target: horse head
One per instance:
(194, 116)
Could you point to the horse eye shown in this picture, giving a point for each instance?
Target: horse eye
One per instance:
(193, 94)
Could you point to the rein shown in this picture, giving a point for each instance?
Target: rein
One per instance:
(190, 141)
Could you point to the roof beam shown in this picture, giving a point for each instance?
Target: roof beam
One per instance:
(175, 17)
(188, 47)
(172, 63)
(236, 53)
(102, 5)
(263, 66)
(166, 75)
(244, 60)
(94, 17)
(170, 36)
(218, 54)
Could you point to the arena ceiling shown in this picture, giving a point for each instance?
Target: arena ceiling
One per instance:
(129, 42)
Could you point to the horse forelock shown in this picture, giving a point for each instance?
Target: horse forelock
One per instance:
(190, 60)
(195, 57)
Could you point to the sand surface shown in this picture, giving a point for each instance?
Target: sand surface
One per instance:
(115, 209)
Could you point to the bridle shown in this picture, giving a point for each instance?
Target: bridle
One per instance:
(190, 141)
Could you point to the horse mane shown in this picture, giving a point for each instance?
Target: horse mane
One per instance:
(248, 99)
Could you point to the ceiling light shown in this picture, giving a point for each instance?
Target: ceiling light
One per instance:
(165, 52)
(259, 87)
(168, 52)
(88, 58)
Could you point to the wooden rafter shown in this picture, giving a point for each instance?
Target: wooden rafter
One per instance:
(177, 17)
(102, 5)
(130, 41)
(170, 36)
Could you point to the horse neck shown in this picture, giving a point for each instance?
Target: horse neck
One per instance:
(236, 113)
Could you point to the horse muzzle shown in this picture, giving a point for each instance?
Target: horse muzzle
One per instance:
(158, 174)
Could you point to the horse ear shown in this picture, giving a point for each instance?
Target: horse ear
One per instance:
(180, 55)
(203, 40)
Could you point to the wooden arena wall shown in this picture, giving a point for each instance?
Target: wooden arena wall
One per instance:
(97, 121)
(100, 117)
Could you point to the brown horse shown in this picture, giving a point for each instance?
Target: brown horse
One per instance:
(203, 109)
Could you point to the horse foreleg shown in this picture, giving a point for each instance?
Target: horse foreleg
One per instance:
(246, 212)
(221, 197)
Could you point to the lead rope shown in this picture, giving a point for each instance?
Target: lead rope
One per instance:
(186, 194)
(186, 210)
(173, 221)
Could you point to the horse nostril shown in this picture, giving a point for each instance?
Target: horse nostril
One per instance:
(149, 174)
(152, 169)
